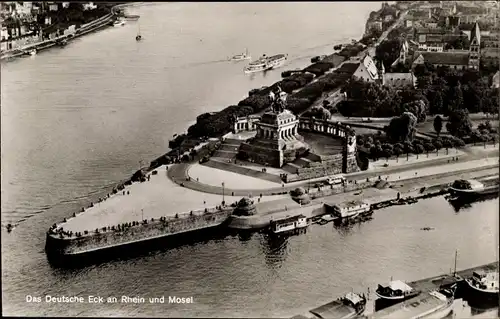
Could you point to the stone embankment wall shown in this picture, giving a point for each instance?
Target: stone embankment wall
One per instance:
(106, 237)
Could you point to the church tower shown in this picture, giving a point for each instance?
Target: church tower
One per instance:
(381, 72)
(403, 53)
(475, 47)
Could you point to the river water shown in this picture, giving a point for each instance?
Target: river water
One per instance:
(76, 121)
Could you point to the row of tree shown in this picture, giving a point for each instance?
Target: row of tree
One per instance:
(376, 149)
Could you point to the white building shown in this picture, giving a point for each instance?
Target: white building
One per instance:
(89, 6)
(367, 70)
(4, 34)
(431, 47)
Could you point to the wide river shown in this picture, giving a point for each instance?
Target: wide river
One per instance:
(76, 121)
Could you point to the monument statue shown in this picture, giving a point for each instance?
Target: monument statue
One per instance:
(278, 100)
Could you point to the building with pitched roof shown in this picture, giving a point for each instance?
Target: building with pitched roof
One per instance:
(455, 60)
(366, 70)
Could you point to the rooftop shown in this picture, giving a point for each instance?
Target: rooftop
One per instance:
(273, 117)
(399, 285)
(445, 58)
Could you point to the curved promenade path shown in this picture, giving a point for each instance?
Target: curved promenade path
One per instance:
(179, 173)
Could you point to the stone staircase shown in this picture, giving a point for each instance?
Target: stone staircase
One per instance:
(228, 150)
(299, 163)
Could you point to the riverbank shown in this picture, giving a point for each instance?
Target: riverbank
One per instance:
(90, 230)
(88, 28)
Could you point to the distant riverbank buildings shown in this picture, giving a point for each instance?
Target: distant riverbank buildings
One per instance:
(454, 22)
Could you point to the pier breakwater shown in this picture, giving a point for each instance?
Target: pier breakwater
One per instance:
(61, 243)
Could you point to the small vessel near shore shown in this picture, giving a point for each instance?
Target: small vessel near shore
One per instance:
(350, 305)
(350, 209)
(394, 292)
(241, 57)
(483, 288)
(434, 304)
(337, 47)
(266, 63)
(289, 225)
(119, 23)
(462, 188)
(326, 219)
(31, 52)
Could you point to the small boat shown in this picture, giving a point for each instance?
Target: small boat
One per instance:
(62, 43)
(427, 228)
(10, 227)
(289, 225)
(326, 219)
(119, 23)
(483, 288)
(132, 17)
(30, 52)
(241, 57)
(138, 37)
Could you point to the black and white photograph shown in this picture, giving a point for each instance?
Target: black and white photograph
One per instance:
(287, 159)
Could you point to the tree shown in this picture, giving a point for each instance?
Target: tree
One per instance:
(398, 150)
(438, 124)
(408, 148)
(455, 99)
(402, 128)
(476, 136)
(388, 51)
(459, 123)
(437, 145)
(417, 108)
(429, 147)
(419, 149)
(484, 138)
(447, 144)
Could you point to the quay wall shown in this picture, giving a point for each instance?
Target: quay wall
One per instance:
(107, 237)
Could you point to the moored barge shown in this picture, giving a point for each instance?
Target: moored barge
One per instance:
(435, 304)
(483, 290)
(472, 189)
(289, 225)
(394, 292)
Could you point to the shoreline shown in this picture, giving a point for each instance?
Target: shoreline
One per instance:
(60, 241)
(92, 26)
